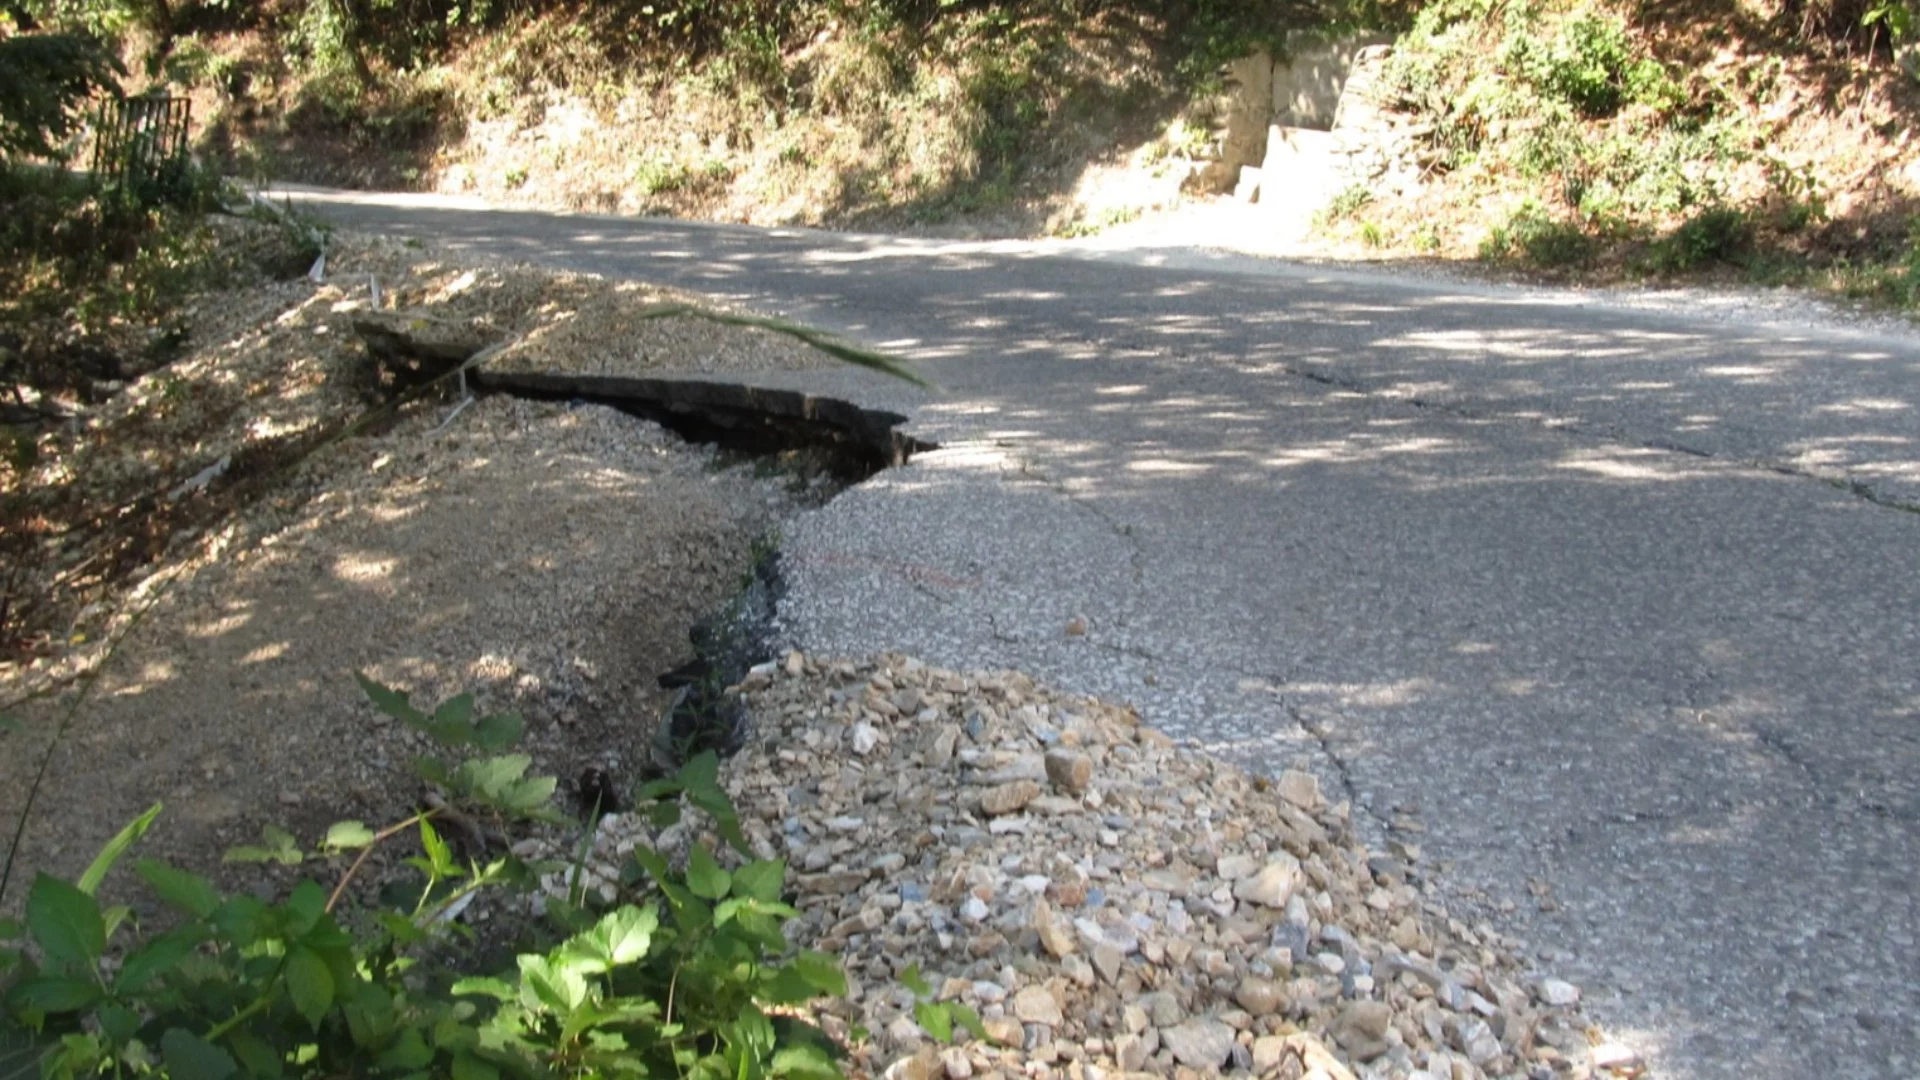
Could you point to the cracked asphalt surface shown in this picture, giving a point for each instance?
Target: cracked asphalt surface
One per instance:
(1623, 605)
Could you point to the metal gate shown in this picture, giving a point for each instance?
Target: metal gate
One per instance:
(137, 140)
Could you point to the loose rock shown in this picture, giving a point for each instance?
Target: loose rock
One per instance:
(1558, 992)
(1149, 924)
(1007, 798)
(1069, 770)
(1260, 997)
(1616, 1057)
(955, 1063)
(1199, 1044)
(1273, 886)
(1037, 1005)
(1302, 789)
(1362, 1029)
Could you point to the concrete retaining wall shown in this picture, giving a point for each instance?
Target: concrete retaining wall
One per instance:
(1301, 90)
(1308, 80)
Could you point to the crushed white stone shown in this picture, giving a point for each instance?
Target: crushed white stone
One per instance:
(1173, 916)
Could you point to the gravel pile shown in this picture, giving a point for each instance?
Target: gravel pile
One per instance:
(1111, 902)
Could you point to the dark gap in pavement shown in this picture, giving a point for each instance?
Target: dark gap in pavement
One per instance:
(852, 442)
(846, 442)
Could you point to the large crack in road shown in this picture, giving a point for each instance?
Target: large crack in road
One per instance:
(1555, 571)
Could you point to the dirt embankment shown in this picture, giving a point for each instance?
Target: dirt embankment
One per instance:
(234, 548)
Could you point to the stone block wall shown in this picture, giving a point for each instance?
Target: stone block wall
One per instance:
(1308, 80)
(1301, 90)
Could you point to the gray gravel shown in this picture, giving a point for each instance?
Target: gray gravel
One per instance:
(1110, 904)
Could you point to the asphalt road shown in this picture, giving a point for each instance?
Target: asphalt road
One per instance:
(1623, 604)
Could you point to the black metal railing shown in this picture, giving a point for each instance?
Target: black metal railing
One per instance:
(140, 140)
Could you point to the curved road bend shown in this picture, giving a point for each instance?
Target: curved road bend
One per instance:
(1623, 605)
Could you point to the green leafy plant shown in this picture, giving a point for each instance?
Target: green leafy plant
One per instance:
(1536, 236)
(1589, 64)
(314, 985)
(1346, 204)
(939, 1019)
(1079, 224)
(46, 81)
(659, 175)
(1717, 234)
(1897, 16)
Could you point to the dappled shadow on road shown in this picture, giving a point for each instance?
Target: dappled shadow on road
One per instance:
(1366, 556)
(1847, 410)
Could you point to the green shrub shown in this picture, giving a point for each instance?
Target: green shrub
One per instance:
(1218, 32)
(1005, 90)
(46, 81)
(88, 262)
(313, 985)
(1896, 283)
(1537, 237)
(660, 175)
(1590, 64)
(1346, 204)
(1718, 234)
(1534, 72)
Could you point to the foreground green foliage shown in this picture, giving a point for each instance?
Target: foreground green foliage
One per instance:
(321, 983)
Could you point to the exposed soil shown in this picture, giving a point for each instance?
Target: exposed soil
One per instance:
(274, 372)
(550, 557)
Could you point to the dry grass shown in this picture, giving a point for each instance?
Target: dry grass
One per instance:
(860, 125)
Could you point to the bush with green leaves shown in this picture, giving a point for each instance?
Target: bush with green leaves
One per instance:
(1346, 204)
(86, 262)
(1533, 234)
(1893, 280)
(1559, 102)
(320, 983)
(1587, 63)
(1717, 234)
(1477, 63)
(46, 83)
(1527, 72)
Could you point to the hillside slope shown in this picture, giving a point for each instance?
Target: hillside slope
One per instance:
(1676, 138)
(893, 114)
(1765, 139)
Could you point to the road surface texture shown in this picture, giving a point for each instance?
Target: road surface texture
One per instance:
(1621, 605)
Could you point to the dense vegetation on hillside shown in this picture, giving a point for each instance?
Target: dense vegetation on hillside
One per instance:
(1699, 137)
(1657, 137)
(821, 110)
(911, 110)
